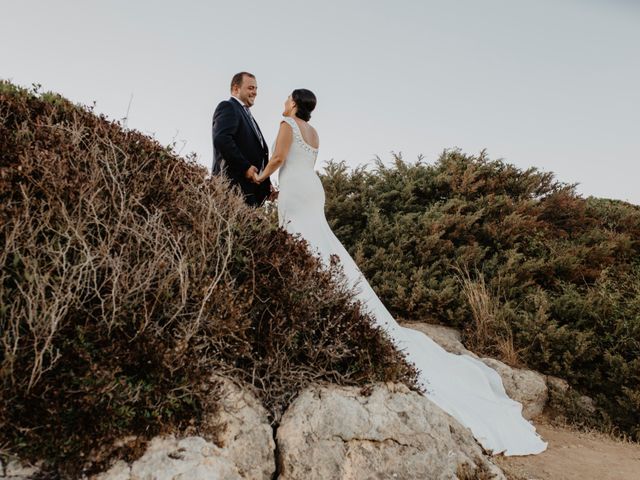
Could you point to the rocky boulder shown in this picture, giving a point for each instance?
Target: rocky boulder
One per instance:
(385, 431)
(448, 338)
(557, 386)
(243, 430)
(169, 458)
(241, 445)
(12, 469)
(525, 386)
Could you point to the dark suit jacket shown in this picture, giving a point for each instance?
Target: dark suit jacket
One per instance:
(236, 147)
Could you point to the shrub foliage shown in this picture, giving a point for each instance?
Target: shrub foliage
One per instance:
(127, 279)
(529, 270)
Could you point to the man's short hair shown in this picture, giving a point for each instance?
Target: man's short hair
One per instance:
(236, 81)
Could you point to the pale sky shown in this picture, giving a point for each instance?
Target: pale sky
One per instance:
(553, 84)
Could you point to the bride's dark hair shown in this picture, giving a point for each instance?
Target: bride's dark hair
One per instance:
(305, 101)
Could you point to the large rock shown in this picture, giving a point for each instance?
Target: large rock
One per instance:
(448, 338)
(524, 386)
(386, 432)
(169, 458)
(242, 447)
(13, 469)
(243, 430)
(557, 386)
(560, 390)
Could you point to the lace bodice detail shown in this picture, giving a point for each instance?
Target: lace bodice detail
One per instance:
(297, 136)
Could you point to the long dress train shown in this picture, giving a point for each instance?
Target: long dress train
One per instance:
(461, 385)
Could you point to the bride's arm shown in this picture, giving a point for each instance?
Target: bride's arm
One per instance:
(283, 144)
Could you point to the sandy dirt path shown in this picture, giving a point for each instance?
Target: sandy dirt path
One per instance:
(574, 455)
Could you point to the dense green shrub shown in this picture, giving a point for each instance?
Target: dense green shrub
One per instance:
(560, 273)
(127, 279)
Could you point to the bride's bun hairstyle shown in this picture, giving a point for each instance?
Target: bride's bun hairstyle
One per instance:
(305, 101)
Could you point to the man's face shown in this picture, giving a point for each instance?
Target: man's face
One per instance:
(247, 91)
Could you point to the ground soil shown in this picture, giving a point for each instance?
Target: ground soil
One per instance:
(575, 455)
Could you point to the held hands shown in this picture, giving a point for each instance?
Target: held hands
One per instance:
(260, 178)
(252, 174)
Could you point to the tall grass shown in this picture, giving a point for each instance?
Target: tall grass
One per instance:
(490, 332)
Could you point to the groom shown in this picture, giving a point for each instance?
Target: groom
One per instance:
(239, 149)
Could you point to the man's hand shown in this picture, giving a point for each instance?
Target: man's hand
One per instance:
(252, 174)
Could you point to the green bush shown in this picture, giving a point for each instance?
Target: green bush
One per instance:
(561, 272)
(127, 279)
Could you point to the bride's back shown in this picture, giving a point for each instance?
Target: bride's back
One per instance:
(301, 194)
(302, 145)
(309, 134)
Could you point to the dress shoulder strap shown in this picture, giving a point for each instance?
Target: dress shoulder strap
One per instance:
(297, 134)
(292, 123)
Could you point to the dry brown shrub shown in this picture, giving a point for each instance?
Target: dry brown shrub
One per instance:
(127, 278)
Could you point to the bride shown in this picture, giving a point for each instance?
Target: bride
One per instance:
(461, 385)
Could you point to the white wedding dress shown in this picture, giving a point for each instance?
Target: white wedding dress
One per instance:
(464, 387)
